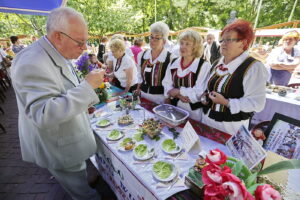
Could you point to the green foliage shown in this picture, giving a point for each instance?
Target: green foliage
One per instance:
(135, 16)
(283, 165)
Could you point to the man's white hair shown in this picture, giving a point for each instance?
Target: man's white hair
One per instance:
(160, 28)
(58, 19)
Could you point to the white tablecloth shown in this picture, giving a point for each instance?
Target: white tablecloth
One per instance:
(133, 181)
(284, 105)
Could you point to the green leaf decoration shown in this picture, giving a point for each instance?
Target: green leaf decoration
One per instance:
(196, 177)
(251, 180)
(237, 168)
(283, 165)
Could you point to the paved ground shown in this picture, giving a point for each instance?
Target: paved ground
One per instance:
(20, 180)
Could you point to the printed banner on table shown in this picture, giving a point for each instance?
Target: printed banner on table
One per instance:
(120, 178)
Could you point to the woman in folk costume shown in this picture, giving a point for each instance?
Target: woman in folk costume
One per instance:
(237, 82)
(152, 64)
(186, 76)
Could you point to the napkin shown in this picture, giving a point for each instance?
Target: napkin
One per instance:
(181, 156)
(179, 183)
(142, 162)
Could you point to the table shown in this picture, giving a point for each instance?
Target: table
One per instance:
(135, 181)
(274, 103)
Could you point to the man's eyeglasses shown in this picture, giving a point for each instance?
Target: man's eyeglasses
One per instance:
(154, 38)
(79, 44)
(228, 40)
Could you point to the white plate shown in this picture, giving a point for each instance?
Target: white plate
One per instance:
(100, 126)
(175, 151)
(121, 148)
(172, 175)
(148, 155)
(115, 139)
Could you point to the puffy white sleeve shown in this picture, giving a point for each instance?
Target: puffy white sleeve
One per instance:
(168, 82)
(194, 92)
(254, 84)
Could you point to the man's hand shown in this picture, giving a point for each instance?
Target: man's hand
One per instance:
(95, 78)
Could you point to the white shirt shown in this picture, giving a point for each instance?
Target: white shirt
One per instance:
(279, 55)
(147, 56)
(3, 54)
(254, 84)
(127, 62)
(192, 92)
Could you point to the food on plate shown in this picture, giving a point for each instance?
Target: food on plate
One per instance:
(103, 123)
(114, 134)
(127, 144)
(125, 120)
(141, 150)
(139, 135)
(169, 145)
(162, 169)
(151, 127)
(128, 101)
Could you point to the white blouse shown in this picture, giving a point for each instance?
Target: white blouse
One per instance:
(119, 71)
(147, 56)
(192, 92)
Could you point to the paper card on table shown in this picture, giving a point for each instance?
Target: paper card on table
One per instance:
(191, 140)
(243, 146)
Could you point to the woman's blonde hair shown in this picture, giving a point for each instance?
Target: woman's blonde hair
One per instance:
(197, 40)
(117, 44)
(291, 34)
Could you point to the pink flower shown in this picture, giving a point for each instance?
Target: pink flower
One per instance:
(235, 188)
(216, 157)
(212, 174)
(214, 192)
(266, 192)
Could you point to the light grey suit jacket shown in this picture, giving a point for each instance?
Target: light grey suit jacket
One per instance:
(54, 128)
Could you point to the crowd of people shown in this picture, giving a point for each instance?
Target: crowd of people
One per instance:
(218, 83)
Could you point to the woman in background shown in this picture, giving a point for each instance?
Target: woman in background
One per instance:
(124, 69)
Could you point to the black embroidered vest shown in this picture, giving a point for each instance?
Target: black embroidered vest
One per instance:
(187, 81)
(232, 88)
(152, 80)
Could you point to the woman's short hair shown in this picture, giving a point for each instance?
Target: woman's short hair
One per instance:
(291, 34)
(117, 36)
(59, 18)
(197, 40)
(138, 42)
(244, 30)
(117, 44)
(160, 28)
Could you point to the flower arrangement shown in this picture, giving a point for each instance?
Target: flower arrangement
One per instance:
(84, 64)
(101, 91)
(222, 177)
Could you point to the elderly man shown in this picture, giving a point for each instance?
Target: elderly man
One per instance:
(54, 128)
(211, 49)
